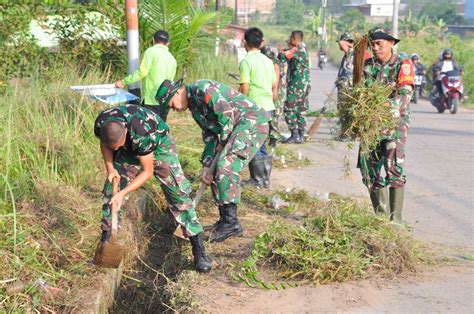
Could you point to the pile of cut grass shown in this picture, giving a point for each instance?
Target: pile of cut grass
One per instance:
(337, 241)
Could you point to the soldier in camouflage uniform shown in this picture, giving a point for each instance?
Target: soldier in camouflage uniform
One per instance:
(298, 86)
(136, 144)
(398, 72)
(274, 134)
(233, 129)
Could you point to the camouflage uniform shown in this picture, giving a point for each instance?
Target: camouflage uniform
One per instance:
(226, 116)
(274, 129)
(298, 86)
(390, 153)
(346, 69)
(147, 133)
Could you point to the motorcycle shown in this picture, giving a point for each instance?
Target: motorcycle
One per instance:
(322, 60)
(453, 90)
(420, 81)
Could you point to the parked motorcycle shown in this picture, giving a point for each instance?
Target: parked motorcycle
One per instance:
(453, 90)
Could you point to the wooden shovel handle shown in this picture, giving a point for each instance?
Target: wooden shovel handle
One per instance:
(115, 188)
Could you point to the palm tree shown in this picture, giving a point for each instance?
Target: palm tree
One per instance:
(191, 29)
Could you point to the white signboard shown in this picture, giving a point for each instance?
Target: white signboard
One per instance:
(381, 10)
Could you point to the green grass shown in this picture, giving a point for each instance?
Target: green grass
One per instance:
(337, 241)
(50, 189)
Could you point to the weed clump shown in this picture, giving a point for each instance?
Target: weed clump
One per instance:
(340, 241)
(365, 114)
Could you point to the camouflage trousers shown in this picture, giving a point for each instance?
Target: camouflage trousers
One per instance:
(234, 157)
(295, 108)
(274, 122)
(390, 154)
(168, 172)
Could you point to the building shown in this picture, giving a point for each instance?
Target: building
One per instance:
(376, 11)
(469, 11)
(245, 8)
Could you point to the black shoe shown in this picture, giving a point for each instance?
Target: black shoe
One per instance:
(294, 138)
(230, 226)
(201, 262)
(272, 142)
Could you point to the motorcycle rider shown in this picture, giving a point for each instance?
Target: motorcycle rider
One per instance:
(321, 57)
(419, 70)
(445, 64)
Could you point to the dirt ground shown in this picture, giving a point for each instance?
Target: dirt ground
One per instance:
(438, 207)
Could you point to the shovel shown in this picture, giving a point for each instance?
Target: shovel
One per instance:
(109, 253)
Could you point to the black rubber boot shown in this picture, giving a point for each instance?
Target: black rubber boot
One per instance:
(230, 227)
(201, 262)
(396, 204)
(268, 163)
(379, 200)
(257, 173)
(294, 138)
(301, 134)
(272, 142)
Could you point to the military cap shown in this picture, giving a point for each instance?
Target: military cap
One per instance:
(166, 91)
(382, 33)
(346, 37)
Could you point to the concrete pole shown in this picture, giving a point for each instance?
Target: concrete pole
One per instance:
(133, 51)
(217, 30)
(325, 37)
(395, 18)
(236, 7)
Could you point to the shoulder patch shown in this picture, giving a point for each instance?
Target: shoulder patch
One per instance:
(406, 76)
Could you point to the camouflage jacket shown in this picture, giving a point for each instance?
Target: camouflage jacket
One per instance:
(400, 74)
(346, 69)
(273, 56)
(297, 77)
(145, 129)
(220, 110)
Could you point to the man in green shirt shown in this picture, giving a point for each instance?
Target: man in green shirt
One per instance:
(258, 81)
(157, 65)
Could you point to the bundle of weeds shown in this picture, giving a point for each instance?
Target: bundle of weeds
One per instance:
(344, 241)
(366, 114)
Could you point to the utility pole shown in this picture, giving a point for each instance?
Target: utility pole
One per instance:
(133, 45)
(395, 18)
(217, 29)
(236, 7)
(325, 37)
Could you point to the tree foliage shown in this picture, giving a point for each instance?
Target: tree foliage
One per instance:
(191, 29)
(289, 12)
(352, 21)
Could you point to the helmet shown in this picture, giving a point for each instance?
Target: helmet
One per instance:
(347, 37)
(447, 51)
(415, 56)
(403, 55)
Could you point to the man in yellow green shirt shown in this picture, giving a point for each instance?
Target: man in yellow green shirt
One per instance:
(157, 65)
(259, 82)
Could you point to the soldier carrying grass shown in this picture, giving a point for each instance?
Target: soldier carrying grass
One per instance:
(233, 130)
(136, 144)
(388, 68)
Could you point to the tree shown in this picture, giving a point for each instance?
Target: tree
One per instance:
(445, 10)
(190, 28)
(351, 21)
(289, 12)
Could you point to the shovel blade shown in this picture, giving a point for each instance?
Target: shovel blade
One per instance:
(109, 254)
